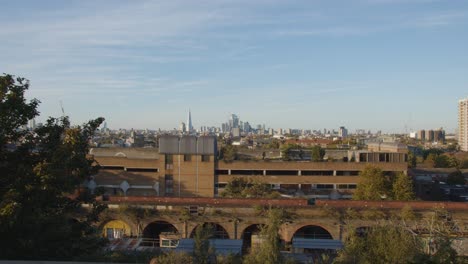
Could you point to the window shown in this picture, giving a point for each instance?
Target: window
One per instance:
(169, 158)
(169, 184)
(324, 186)
(169, 243)
(187, 157)
(346, 186)
(205, 158)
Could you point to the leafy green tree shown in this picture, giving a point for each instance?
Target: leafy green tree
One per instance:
(402, 188)
(274, 144)
(463, 164)
(235, 188)
(317, 153)
(286, 151)
(381, 244)
(269, 250)
(228, 153)
(202, 251)
(430, 160)
(40, 216)
(456, 177)
(172, 257)
(240, 187)
(373, 185)
(441, 161)
(412, 160)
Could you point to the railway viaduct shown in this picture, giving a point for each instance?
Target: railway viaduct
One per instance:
(152, 218)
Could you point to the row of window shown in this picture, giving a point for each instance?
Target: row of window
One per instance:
(169, 159)
(288, 172)
(276, 186)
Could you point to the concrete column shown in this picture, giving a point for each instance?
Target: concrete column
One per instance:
(229, 172)
(299, 173)
(235, 228)
(334, 173)
(264, 172)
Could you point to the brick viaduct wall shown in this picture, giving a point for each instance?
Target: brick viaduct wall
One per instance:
(235, 215)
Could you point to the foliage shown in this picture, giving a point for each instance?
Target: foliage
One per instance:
(228, 153)
(433, 151)
(240, 187)
(287, 149)
(373, 185)
(269, 250)
(463, 164)
(456, 177)
(39, 215)
(202, 252)
(436, 159)
(274, 144)
(402, 188)
(407, 213)
(117, 257)
(412, 160)
(317, 153)
(172, 257)
(395, 242)
(380, 244)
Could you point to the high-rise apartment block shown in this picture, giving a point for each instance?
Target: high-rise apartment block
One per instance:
(463, 124)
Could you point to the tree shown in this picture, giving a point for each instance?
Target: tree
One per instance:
(431, 160)
(269, 250)
(202, 251)
(395, 241)
(228, 153)
(386, 243)
(402, 188)
(455, 178)
(286, 151)
(317, 153)
(372, 185)
(40, 216)
(247, 188)
(412, 160)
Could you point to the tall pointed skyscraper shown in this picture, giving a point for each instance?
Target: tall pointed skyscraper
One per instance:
(189, 123)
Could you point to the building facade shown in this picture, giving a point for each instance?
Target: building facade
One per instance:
(463, 124)
(188, 167)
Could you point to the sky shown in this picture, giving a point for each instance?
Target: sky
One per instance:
(390, 65)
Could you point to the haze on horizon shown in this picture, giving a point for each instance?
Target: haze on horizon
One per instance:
(371, 64)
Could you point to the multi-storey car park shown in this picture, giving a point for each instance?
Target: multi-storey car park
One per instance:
(184, 174)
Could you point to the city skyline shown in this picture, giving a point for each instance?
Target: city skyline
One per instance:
(390, 65)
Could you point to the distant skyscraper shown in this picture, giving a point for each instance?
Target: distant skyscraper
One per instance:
(343, 132)
(182, 127)
(189, 127)
(234, 121)
(463, 124)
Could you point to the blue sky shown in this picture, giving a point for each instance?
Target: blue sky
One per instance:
(371, 64)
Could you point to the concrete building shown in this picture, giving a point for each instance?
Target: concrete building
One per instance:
(189, 127)
(422, 135)
(463, 124)
(343, 132)
(187, 167)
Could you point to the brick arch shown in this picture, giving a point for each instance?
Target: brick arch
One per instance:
(227, 229)
(179, 225)
(127, 222)
(287, 231)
